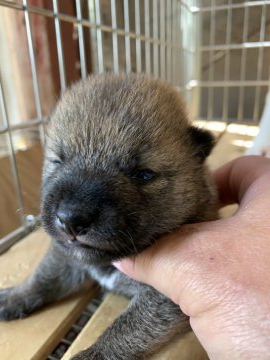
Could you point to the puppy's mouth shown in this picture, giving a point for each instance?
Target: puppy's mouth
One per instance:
(81, 243)
(99, 243)
(95, 249)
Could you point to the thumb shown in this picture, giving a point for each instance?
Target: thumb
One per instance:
(164, 264)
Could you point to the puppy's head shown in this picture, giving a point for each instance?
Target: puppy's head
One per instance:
(122, 167)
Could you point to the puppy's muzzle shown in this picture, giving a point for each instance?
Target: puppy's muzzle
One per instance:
(85, 207)
(81, 205)
(73, 221)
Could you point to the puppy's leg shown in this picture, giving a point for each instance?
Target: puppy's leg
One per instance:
(54, 278)
(150, 321)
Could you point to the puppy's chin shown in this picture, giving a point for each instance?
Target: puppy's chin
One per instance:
(86, 254)
(90, 252)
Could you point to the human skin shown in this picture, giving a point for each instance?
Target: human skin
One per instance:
(219, 272)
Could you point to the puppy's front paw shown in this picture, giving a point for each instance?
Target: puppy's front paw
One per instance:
(15, 304)
(10, 307)
(91, 354)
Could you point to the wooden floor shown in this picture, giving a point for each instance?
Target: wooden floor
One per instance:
(29, 163)
(37, 336)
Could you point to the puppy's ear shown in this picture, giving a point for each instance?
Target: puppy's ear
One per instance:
(202, 141)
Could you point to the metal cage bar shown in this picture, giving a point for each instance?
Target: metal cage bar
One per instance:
(114, 38)
(138, 41)
(155, 35)
(240, 112)
(227, 65)
(99, 38)
(127, 37)
(211, 55)
(259, 64)
(72, 19)
(168, 41)
(81, 40)
(147, 34)
(13, 162)
(62, 72)
(34, 70)
(163, 38)
(240, 5)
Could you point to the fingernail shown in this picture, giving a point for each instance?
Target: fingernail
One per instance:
(117, 264)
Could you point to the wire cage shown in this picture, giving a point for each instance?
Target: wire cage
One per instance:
(214, 52)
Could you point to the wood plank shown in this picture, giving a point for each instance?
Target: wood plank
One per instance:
(187, 348)
(36, 336)
(110, 309)
(227, 149)
(18, 262)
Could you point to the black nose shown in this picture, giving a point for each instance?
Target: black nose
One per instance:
(72, 223)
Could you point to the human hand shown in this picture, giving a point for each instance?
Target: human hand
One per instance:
(219, 272)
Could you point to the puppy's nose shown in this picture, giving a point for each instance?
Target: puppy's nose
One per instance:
(72, 224)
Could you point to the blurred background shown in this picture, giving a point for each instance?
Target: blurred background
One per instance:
(214, 52)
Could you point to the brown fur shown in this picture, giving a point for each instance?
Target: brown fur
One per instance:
(122, 167)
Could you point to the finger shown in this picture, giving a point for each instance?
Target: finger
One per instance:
(150, 268)
(162, 265)
(236, 177)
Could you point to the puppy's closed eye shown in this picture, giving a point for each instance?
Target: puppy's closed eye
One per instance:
(55, 161)
(142, 175)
